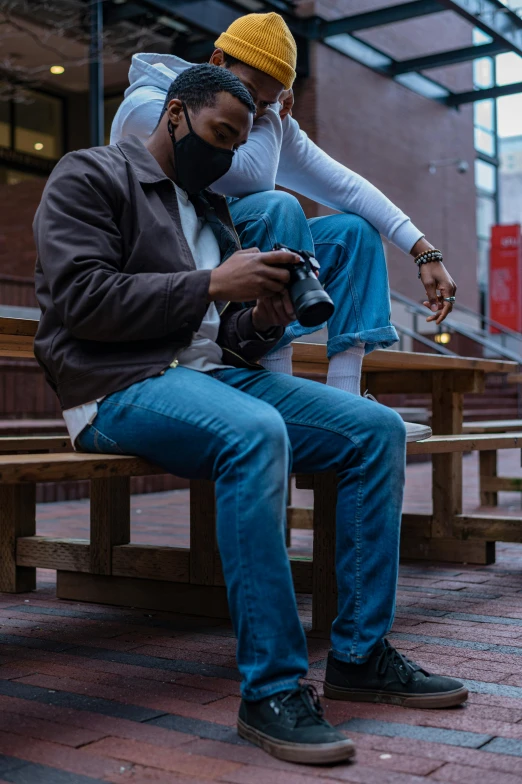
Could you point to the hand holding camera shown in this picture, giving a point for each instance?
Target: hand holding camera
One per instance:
(249, 275)
(282, 275)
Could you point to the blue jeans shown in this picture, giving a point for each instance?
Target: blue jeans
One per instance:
(247, 430)
(353, 267)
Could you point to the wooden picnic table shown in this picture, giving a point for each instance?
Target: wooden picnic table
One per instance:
(447, 379)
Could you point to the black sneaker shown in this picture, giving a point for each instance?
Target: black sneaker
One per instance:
(290, 725)
(390, 677)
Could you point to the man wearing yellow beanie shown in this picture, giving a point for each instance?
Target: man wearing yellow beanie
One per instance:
(260, 49)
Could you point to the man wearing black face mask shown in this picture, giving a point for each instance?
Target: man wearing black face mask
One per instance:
(139, 277)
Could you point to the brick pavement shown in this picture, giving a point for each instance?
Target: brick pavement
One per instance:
(92, 693)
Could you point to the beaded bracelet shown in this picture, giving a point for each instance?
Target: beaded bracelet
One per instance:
(428, 256)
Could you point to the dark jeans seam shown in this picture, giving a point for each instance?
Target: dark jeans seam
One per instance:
(357, 609)
(302, 423)
(265, 217)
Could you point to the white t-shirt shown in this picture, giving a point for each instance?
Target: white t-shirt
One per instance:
(203, 354)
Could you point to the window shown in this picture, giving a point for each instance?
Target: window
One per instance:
(485, 176)
(484, 112)
(486, 218)
(483, 72)
(485, 142)
(38, 126)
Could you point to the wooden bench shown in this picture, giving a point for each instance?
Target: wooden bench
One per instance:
(490, 483)
(109, 569)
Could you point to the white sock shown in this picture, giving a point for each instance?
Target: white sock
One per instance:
(279, 361)
(344, 371)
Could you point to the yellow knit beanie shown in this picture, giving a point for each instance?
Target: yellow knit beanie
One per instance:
(265, 42)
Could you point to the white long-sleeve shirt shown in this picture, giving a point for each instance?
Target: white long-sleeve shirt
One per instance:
(277, 152)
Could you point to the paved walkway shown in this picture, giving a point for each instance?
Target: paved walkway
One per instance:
(91, 693)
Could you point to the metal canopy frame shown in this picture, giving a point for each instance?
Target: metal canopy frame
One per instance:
(207, 18)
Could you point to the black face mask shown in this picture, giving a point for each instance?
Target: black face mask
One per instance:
(198, 163)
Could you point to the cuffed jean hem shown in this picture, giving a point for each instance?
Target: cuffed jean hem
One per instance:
(383, 337)
(349, 658)
(254, 695)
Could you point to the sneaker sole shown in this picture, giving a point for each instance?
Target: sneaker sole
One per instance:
(447, 699)
(305, 753)
(421, 435)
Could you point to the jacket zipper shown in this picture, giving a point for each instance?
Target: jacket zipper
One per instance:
(255, 365)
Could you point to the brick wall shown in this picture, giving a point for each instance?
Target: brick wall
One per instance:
(18, 205)
(389, 134)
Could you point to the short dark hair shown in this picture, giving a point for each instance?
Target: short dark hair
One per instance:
(229, 60)
(199, 86)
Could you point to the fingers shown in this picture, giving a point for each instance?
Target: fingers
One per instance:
(288, 306)
(275, 257)
(447, 288)
(446, 310)
(277, 309)
(283, 308)
(431, 292)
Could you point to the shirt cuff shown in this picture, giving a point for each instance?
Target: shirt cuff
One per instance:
(406, 236)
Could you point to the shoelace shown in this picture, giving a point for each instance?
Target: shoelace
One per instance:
(369, 396)
(303, 703)
(403, 666)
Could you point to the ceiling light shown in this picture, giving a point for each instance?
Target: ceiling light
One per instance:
(57, 69)
(443, 337)
(38, 146)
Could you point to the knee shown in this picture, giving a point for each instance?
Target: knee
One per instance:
(267, 434)
(388, 426)
(282, 204)
(354, 227)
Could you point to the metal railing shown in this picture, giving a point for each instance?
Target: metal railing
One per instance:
(505, 332)
(410, 333)
(477, 336)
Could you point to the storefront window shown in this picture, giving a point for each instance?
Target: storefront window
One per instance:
(38, 126)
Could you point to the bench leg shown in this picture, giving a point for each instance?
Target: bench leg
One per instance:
(324, 594)
(17, 518)
(488, 470)
(203, 546)
(447, 483)
(110, 520)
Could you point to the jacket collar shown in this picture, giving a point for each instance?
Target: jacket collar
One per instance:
(145, 165)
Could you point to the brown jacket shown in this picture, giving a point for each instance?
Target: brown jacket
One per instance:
(115, 279)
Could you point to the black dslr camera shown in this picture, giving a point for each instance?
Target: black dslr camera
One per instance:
(312, 305)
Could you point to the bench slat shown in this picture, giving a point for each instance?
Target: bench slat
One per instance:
(310, 354)
(44, 552)
(492, 426)
(35, 443)
(437, 445)
(70, 467)
(18, 326)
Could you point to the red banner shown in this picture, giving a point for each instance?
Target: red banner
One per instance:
(505, 277)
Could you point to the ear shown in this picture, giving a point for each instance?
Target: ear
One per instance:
(174, 111)
(218, 58)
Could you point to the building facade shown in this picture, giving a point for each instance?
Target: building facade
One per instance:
(418, 151)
